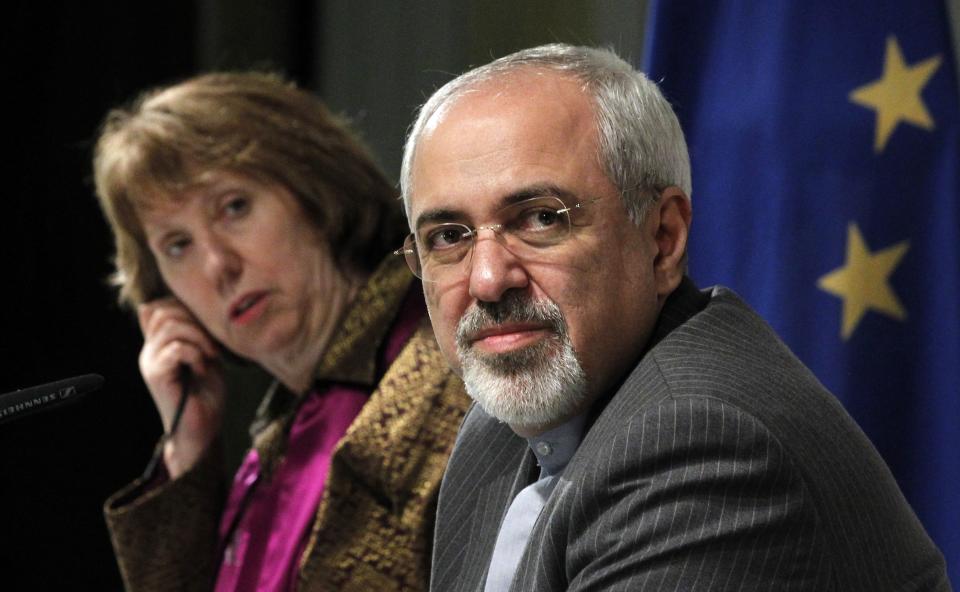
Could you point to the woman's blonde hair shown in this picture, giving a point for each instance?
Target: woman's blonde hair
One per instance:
(254, 124)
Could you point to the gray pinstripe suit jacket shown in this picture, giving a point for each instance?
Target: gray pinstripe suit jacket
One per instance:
(720, 463)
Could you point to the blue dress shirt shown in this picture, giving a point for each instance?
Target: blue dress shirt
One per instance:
(553, 450)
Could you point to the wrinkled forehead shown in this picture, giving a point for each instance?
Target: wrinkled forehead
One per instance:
(502, 135)
(524, 95)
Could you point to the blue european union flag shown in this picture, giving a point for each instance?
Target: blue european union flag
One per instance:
(825, 144)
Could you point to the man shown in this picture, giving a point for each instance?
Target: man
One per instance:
(630, 432)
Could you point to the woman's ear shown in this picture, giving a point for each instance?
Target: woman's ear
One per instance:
(673, 214)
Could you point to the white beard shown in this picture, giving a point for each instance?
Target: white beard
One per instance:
(532, 387)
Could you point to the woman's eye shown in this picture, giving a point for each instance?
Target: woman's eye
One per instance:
(174, 249)
(445, 237)
(237, 206)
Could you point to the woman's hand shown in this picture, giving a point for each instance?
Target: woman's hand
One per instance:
(173, 337)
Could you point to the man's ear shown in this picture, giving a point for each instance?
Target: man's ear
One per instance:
(673, 214)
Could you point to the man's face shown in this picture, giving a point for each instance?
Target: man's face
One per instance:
(513, 137)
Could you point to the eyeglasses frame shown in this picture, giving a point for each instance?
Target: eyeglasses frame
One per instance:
(404, 251)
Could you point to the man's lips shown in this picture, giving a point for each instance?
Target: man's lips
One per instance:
(508, 336)
(247, 307)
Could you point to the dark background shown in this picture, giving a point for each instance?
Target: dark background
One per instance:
(66, 64)
(71, 62)
(59, 319)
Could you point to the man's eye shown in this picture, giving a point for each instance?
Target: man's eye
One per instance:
(445, 237)
(537, 219)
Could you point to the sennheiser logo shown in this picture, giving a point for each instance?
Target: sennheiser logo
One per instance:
(64, 393)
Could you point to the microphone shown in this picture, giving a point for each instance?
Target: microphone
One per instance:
(186, 375)
(26, 401)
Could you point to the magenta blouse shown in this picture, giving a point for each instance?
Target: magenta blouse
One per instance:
(265, 526)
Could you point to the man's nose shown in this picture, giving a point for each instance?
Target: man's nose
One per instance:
(494, 269)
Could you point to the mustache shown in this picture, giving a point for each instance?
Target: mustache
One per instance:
(514, 307)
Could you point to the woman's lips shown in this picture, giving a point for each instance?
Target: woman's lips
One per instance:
(248, 308)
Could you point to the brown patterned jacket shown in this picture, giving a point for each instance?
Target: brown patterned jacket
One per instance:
(374, 526)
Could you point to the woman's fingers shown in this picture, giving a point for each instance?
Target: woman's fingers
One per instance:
(166, 320)
(172, 338)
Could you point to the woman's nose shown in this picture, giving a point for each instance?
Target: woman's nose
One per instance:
(222, 263)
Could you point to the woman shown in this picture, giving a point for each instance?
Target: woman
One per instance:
(250, 223)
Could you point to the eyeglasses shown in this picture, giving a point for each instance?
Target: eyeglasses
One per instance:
(440, 252)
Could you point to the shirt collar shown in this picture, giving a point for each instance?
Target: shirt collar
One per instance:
(351, 356)
(555, 447)
(352, 353)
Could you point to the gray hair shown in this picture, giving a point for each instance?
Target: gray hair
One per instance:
(642, 147)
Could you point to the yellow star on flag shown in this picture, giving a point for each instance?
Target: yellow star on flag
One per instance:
(896, 95)
(863, 282)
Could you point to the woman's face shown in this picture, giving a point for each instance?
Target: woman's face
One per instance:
(243, 257)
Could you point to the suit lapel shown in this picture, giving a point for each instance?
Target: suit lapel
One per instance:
(489, 466)
(606, 422)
